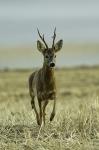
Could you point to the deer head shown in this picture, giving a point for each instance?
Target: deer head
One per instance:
(49, 53)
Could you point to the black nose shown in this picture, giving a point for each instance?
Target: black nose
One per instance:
(52, 65)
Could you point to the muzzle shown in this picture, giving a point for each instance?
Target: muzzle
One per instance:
(52, 64)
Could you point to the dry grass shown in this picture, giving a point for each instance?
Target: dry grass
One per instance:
(76, 124)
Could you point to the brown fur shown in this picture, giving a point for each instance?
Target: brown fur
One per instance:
(42, 82)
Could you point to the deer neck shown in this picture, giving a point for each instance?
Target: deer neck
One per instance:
(48, 73)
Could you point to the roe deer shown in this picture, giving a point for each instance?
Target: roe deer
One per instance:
(42, 82)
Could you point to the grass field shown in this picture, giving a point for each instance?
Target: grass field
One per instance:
(76, 124)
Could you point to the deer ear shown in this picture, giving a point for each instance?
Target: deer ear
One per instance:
(40, 46)
(58, 45)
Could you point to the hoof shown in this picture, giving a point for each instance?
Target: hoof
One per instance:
(38, 122)
(52, 116)
(32, 107)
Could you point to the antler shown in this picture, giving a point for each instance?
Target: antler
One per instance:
(54, 36)
(42, 38)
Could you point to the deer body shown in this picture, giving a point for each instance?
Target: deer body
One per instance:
(42, 82)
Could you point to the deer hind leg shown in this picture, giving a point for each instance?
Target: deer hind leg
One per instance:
(44, 107)
(35, 110)
(53, 111)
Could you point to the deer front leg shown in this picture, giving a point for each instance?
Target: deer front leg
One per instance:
(40, 108)
(33, 107)
(53, 111)
(44, 107)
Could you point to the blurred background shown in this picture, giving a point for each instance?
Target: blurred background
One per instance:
(77, 23)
